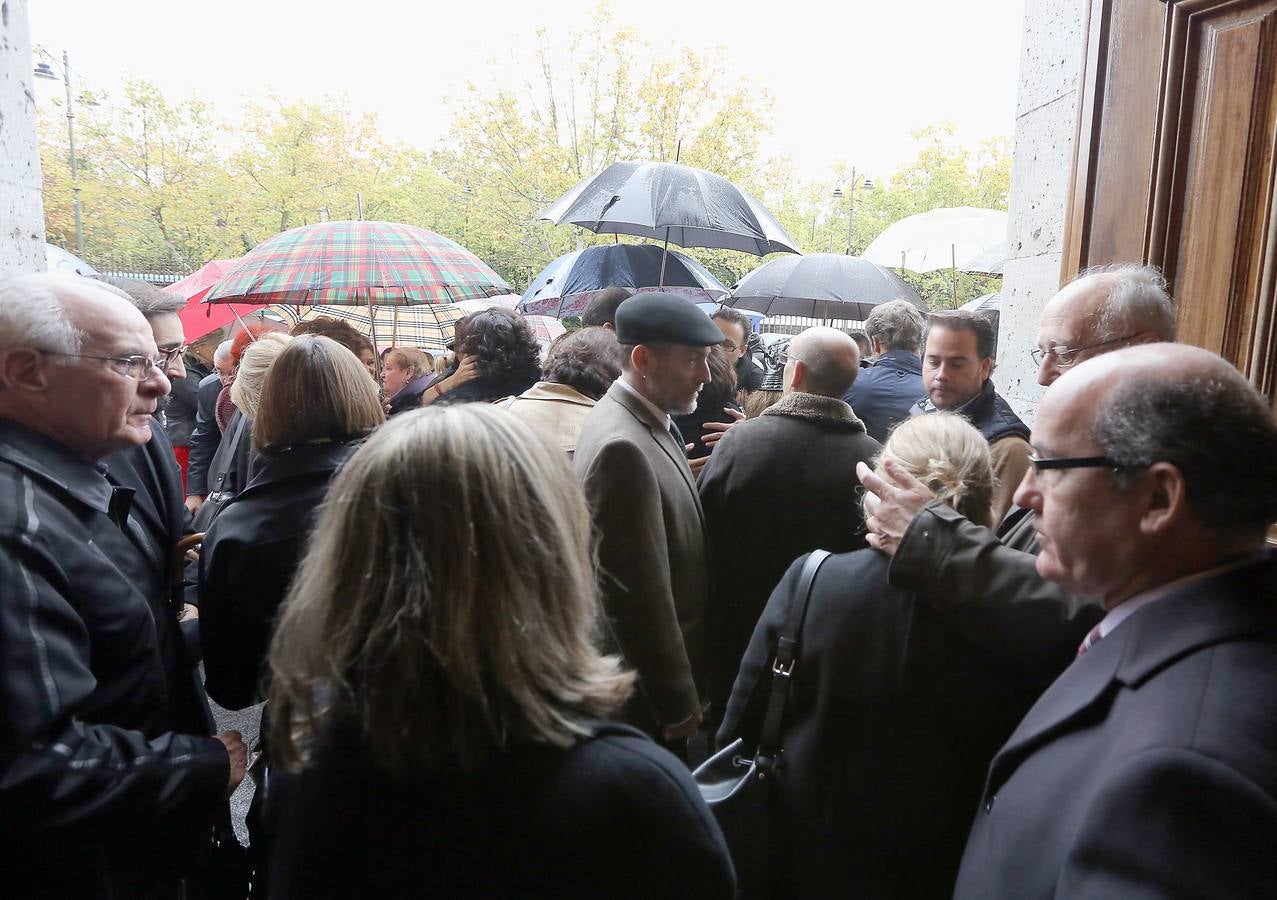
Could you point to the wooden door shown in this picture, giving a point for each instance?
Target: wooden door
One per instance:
(1176, 164)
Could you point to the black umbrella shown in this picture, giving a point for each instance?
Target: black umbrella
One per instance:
(673, 203)
(821, 286)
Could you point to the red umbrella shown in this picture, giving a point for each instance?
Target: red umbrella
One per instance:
(197, 321)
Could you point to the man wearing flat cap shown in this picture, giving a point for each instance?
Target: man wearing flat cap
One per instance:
(631, 461)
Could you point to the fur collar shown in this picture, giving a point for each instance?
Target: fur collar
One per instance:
(822, 410)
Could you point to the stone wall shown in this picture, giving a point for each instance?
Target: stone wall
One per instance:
(21, 209)
(1046, 120)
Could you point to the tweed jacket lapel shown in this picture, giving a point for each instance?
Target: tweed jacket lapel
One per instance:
(660, 434)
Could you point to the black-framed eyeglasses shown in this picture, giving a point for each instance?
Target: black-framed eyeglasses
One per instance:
(1067, 356)
(1041, 464)
(135, 367)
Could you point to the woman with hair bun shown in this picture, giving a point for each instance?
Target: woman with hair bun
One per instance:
(893, 715)
(439, 695)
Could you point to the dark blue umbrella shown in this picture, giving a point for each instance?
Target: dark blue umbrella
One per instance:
(566, 285)
(821, 286)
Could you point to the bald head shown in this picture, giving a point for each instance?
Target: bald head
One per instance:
(1103, 310)
(822, 361)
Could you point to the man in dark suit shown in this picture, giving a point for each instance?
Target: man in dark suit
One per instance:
(882, 396)
(1149, 767)
(641, 492)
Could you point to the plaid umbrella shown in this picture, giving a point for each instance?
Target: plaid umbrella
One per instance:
(546, 328)
(425, 327)
(358, 264)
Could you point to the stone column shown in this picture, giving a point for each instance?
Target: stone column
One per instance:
(21, 208)
(1045, 125)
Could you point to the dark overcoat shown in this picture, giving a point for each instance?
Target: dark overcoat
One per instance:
(1149, 768)
(654, 582)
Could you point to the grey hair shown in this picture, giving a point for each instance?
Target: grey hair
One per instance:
(1230, 477)
(223, 351)
(1138, 302)
(149, 300)
(897, 325)
(32, 315)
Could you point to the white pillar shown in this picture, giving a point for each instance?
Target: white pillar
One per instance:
(1045, 123)
(21, 209)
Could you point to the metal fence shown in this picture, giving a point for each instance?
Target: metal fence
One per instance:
(797, 324)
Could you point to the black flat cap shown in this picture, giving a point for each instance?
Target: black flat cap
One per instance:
(660, 318)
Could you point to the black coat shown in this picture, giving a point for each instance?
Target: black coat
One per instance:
(487, 388)
(1149, 768)
(101, 792)
(250, 554)
(409, 396)
(205, 436)
(775, 487)
(613, 817)
(692, 425)
(183, 402)
(893, 717)
(232, 465)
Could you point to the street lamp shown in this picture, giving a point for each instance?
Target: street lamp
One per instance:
(856, 181)
(44, 70)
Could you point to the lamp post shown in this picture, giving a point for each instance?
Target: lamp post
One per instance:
(856, 182)
(44, 70)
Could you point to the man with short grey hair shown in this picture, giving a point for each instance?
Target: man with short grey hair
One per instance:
(1149, 767)
(106, 785)
(206, 436)
(778, 486)
(882, 396)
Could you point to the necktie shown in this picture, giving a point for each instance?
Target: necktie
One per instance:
(1092, 638)
(677, 435)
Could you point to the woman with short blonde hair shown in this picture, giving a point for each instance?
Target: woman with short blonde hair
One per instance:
(895, 714)
(254, 363)
(406, 372)
(435, 679)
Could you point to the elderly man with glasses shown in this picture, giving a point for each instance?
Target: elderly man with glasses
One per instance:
(108, 775)
(986, 581)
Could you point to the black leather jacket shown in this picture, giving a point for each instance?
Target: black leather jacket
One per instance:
(101, 790)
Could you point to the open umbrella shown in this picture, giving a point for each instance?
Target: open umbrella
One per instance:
(821, 286)
(674, 203)
(358, 264)
(426, 327)
(546, 328)
(938, 239)
(199, 318)
(568, 284)
(990, 262)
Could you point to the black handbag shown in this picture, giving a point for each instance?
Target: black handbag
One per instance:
(738, 786)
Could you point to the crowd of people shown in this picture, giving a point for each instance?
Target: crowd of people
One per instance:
(500, 602)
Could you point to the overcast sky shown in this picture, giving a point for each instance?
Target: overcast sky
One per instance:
(850, 80)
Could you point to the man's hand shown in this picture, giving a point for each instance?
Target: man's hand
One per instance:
(695, 464)
(234, 743)
(891, 503)
(683, 729)
(194, 502)
(714, 431)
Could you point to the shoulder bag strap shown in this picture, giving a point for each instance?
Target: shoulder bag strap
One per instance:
(783, 666)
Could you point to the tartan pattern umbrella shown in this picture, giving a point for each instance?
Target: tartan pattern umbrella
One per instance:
(425, 327)
(546, 328)
(358, 264)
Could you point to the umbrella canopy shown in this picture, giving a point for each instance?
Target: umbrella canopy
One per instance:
(821, 286)
(427, 327)
(667, 201)
(504, 301)
(546, 328)
(58, 260)
(991, 262)
(988, 303)
(938, 239)
(358, 264)
(199, 318)
(566, 286)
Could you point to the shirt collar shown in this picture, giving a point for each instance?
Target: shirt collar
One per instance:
(1127, 608)
(660, 414)
(51, 461)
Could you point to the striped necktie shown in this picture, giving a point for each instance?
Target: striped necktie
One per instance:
(1092, 638)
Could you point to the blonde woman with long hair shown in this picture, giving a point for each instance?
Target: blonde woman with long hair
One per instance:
(893, 715)
(437, 691)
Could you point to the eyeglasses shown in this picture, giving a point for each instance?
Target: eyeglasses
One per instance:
(168, 357)
(729, 346)
(1066, 356)
(1041, 464)
(138, 368)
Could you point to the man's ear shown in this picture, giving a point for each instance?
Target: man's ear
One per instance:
(641, 359)
(986, 369)
(1165, 500)
(23, 370)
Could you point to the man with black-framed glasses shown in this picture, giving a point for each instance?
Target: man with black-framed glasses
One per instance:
(108, 776)
(1149, 767)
